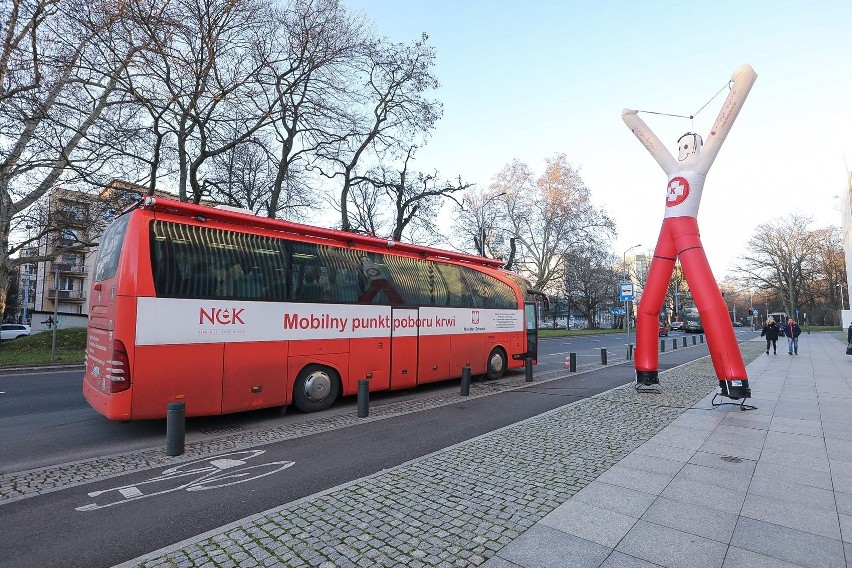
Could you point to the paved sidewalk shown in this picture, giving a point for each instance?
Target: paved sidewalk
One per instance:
(621, 479)
(770, 487)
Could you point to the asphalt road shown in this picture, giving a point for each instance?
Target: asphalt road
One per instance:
(45, 420)
(144, 511)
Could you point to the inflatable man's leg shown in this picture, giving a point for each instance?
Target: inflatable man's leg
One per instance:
(724, 350)
(648, 318)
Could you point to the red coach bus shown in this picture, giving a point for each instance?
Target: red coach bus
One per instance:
(228, 312)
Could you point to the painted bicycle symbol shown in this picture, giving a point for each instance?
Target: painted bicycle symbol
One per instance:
(209, 473)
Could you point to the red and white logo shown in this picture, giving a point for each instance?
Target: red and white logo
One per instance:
(677, 192)
(221, 316)
(474, 316)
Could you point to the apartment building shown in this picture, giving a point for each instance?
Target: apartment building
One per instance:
(62, 285)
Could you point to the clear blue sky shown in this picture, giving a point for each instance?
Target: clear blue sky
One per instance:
(529, 79)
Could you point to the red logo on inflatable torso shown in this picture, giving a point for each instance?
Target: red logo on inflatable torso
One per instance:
(677, 192)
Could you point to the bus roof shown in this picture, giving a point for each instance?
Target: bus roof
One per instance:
(341, 238)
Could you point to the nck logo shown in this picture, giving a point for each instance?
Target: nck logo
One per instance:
(221, 316)
(474, 316)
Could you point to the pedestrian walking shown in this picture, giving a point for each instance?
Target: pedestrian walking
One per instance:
(770, 332)
(792, 332)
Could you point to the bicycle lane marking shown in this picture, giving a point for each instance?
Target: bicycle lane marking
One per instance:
(219, 471)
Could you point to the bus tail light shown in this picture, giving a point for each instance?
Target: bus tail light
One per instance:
(119, 368)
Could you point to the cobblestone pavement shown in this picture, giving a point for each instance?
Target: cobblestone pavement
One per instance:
(30, 483)
(460, 505)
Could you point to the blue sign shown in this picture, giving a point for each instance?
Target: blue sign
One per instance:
(617, 311)
(626, 291)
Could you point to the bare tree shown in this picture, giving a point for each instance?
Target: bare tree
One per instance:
(205, 83)
(59, 68)
(243, 176)
(782, 258)
(549, 217)
(319, 45)
(481, 222)
(822, 293)
(590, 280)
(393, 202)
(389, 113)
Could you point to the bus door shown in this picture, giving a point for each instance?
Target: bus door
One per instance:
(404, 339)
(532, 331)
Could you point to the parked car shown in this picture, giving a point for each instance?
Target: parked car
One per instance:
(664, 331)
(13, 331)
(677, 326)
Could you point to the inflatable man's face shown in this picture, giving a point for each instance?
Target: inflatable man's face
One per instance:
(688, 146)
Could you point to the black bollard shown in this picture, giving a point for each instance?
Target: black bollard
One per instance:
(684, 341)
(572, 362)
(363, 398)
(674, 343)
(662, 346)
(629, 351)
(175, 428)
(701, 337)
(465, 381)
(693, 340)
(528, 370)
(603, 355)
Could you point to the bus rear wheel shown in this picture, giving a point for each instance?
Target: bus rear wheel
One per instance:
(316, 388)
(496, 364)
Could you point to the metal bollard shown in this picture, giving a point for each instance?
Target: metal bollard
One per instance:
(175, 428)
(662, 346)
(629, 351)
(603, 355)
(693, 340)
(465, 381)
(528, 370)
(363, 398)
(701, 337)
(684, 341)
(572, 362)
(674, 343)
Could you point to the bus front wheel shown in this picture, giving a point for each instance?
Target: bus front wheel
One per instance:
(496, 363)
(316, 388)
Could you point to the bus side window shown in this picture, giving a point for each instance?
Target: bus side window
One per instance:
(459, 294)
(249, 286)
(201, 281)
(488, 292)
(311, 288)
(381, 288)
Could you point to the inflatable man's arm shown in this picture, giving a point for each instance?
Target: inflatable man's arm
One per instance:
(742, 80)
(648, 139)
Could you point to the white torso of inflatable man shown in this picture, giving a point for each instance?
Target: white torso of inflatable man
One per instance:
(683, 193)
(687, 173)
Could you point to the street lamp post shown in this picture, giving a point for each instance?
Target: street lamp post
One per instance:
(481, 235)
(26, 292)
(627, 302)
(841, 303)
(55, 313)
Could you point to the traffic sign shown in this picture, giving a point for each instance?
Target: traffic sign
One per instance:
(626, 291)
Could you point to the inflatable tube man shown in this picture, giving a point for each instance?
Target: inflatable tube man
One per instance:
(679, 238)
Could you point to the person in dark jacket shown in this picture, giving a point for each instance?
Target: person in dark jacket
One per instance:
(792, 331)
(770, 332)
